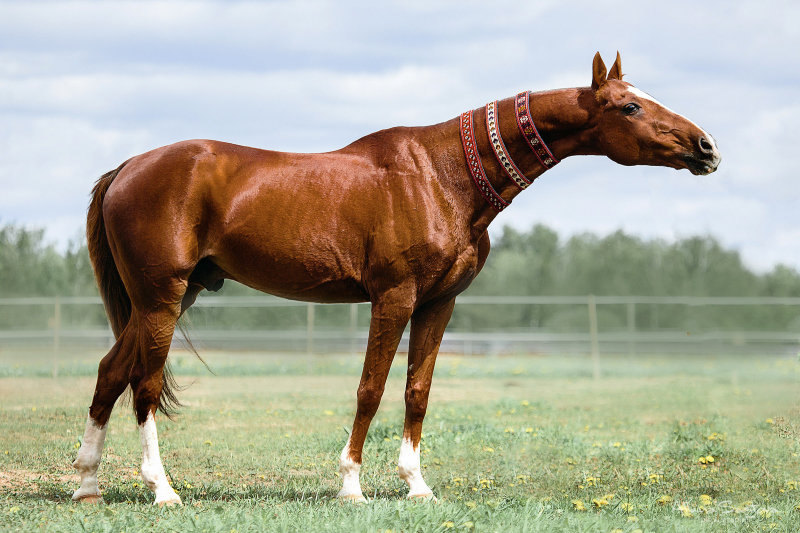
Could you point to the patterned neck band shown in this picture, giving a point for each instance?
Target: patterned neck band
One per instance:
(499, 147)
(528, 130)
(475, 166)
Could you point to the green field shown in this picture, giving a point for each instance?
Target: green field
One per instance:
(672, 443)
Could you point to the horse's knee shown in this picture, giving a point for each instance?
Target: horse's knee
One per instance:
(369, 398)
(417, 401)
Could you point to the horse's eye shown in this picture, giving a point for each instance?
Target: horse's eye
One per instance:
(630, 109)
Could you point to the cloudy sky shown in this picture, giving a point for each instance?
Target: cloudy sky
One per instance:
(85, 85)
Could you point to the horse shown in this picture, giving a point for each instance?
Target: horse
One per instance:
(398, 218)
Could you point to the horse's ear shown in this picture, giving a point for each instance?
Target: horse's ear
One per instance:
(616, 69)
(598, 72)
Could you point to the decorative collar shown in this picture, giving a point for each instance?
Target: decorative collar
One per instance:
(475, 166)
(529, 132)
(499, 148)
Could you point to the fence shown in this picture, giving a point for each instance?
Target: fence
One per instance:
(481, 324)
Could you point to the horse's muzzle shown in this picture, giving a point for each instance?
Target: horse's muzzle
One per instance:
(705, 159)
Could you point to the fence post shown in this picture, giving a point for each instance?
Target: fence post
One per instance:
(56, 334)
(310, 328)
(353, 327)
(593, 334)
(631, 327)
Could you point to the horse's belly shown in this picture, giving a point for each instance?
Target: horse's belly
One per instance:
(298, 271)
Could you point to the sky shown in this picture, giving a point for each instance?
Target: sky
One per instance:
(86, 85)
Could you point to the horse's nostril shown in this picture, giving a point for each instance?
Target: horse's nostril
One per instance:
(705, 145)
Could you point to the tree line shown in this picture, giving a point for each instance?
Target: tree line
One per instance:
(534, 262)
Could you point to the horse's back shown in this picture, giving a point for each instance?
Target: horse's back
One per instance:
(296, 225)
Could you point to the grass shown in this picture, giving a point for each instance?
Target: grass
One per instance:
(510, 444)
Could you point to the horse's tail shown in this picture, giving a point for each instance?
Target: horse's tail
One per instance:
(115, 298)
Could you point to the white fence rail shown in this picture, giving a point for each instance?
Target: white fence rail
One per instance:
(351, 337)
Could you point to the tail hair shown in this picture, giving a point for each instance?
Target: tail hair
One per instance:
(115, 298)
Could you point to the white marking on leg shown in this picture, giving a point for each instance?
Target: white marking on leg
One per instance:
(351, 486)
(152, 469)
(89, 455)
(409, 468)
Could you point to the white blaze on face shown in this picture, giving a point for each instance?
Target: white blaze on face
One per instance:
(152, 469)
(409, 469)
(349, 469)
(88, 460)
(644, 96)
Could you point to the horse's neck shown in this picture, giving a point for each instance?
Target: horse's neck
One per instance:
(563, 121)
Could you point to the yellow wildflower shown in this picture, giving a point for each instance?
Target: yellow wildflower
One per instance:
(685, 511)
(664, 499)
(471, 505)
(764, 513)
(626, 506)
(448, 524)
(706, 500)
(632, 519)
(599, 502)
(791, 485)
(328, 412)
(706, 460)
(578, 505)
(488, 449)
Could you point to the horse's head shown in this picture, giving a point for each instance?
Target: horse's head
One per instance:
(633, 128)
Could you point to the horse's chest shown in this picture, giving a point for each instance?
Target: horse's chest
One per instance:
(450, 273)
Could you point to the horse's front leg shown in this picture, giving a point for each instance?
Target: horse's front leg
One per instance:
(427, 327)
(390, 315)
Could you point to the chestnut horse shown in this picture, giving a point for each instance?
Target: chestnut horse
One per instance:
(398, 218)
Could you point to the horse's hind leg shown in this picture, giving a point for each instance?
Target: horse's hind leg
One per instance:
(112, 378)
(154, 334)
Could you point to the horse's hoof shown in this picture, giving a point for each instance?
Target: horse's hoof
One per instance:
(170, 502)
(89, 498)
(424, 497)
(351, 498)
